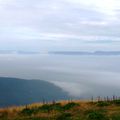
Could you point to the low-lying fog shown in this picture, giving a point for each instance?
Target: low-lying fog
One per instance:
(81, 76)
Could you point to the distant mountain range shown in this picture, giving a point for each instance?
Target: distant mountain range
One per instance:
(85, 53)
(15, 91)
(60, 52)
(18, 52)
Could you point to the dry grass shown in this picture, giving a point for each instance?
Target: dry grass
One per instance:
(73, 110)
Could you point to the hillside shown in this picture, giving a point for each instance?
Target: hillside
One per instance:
(15, 91)
(65, 110)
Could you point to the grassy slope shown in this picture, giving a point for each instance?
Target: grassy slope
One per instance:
(64, 110)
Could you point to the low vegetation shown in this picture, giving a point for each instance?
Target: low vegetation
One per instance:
(67, 110)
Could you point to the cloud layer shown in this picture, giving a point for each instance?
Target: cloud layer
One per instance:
(44, 24)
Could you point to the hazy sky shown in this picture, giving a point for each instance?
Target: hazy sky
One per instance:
(52, 25)
(60, 24)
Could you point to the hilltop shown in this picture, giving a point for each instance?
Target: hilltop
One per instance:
(65, 110)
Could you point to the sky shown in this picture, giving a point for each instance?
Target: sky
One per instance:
(62, 25)
(50, 25)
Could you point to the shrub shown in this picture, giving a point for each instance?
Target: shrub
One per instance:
(64, 116)
(115, 117)
(70, 105)
(57, 107)
(49, 107)
(117, 102)
(39, 119)
(45, 108)
(95, 115)
(4, 115)
(28, 111)
(103, 103)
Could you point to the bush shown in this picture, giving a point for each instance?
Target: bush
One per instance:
(95, 115)
(4, 115)
(115, 117)
(57, 107)
(117, 102)
(64, 116)
(39, 119)
(45, 108)
(49, 107)
(103, 103)
(27, 111)
(70, 105)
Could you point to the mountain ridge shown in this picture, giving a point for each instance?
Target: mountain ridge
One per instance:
(85, 53)
(15, 91)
